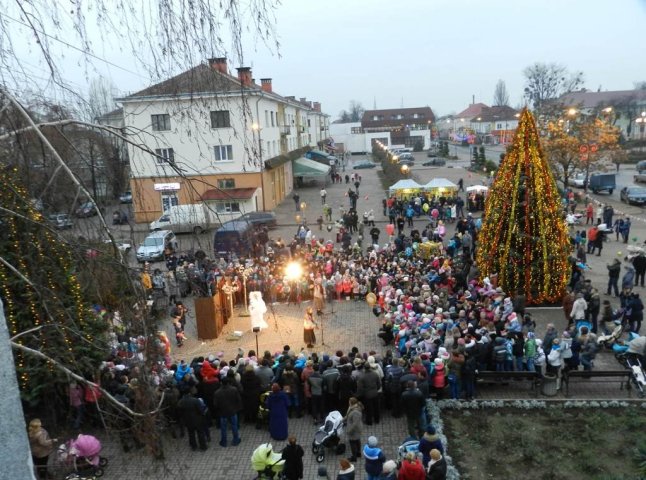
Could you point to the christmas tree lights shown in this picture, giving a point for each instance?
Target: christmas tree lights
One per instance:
(524, 237)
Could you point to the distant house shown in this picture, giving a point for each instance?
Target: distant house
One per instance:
(495, 125)
(626, 109)
(458, 127)
(215, 137)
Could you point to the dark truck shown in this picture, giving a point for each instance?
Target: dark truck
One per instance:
(602, 181)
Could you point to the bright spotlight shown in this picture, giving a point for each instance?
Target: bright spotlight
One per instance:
(293, 271)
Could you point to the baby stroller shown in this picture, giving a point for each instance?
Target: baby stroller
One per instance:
(266, 463)
(329, 436)
(631, 357)
(410, 445)
(82, 454)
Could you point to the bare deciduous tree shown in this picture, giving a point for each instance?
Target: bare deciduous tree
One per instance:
(500, 94)
(548, 81)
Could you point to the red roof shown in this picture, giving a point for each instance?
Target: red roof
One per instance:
(472, 110)
(229, 194)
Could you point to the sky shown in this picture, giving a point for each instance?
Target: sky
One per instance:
(437, 53)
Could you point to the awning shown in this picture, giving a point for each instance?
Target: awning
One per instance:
(229, 194)
(304, 167)
(477, 188)
(440, 183)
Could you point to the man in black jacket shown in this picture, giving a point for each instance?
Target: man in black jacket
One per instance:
(412, 402)
(640, 269)
(191, 412)
(228, 403)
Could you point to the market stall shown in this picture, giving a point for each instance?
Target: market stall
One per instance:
(476, 195)
(441, 187)
(405, 189)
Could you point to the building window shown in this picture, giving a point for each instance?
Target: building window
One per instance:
(223, 153)
(220, 119)
(225, 183)
(498, 126)
(160, 122)
(227, 207)
(273, 123)
(356, 130)
(266, 118)
(164, 155)
(169, 199)
(269, 148)
(309, 123)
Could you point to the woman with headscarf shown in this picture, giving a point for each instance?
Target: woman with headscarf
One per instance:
(293, 456)
(41, 447)
(278, 404)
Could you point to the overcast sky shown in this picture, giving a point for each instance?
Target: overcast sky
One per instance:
(426, 52)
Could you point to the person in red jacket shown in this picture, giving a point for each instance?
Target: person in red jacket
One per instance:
(439, 377)
(411, 469)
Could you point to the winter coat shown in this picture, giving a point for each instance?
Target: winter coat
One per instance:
(411, 470)
(412, 402)
(368, 384)
(375, 459)
(191, 412)
(40, 443)
(439, 378)
(578, 309)
(293, 456)
(315, 382)
(278, 404)
(437, 471)
(629, 278)
(554, 357)
(354, 422)
(347, 474)
(427, 443)
(227, 401)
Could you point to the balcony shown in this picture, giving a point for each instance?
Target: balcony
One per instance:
(284, 130)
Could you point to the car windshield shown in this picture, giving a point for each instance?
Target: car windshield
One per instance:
(637, 191)
(153, 241)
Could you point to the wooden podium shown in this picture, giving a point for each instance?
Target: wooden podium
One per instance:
(209, 317)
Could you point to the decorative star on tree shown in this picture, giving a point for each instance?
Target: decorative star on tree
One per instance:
(524, 237)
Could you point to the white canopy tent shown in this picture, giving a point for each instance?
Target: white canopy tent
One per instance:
(404, 187)
(441, 187)
(477, 189)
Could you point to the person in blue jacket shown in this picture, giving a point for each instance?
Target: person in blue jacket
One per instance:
(375, 458)
(278, 404)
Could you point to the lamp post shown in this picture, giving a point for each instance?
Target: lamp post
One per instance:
(405, 170)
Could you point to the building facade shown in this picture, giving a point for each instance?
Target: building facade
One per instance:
(206, 135)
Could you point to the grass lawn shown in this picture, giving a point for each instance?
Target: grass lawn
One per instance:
(553, 443)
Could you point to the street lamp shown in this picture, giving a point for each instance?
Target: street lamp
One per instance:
(405, 169)
(245, 272)
(572, 111)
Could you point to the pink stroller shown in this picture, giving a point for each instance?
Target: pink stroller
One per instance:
(82, 454)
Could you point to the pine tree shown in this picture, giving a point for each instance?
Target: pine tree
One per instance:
(524, 238)
(40, 288)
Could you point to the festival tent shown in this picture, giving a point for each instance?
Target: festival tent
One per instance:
(404, 188)
(440, 187)
(477, 189)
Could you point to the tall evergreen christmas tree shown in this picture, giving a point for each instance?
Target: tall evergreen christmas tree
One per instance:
(41, 291)
(524, 237)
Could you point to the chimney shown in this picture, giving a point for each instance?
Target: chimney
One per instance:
(244, 75)
(316, 106)
(265, 83)
(291, 97)
(303, 100)
(219, 64)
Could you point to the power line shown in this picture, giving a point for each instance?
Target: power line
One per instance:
(89, 54)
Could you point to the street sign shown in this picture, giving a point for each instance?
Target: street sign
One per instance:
(583, 149)
(584, 157)
(594, 147)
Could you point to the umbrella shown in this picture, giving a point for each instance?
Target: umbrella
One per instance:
(477, 188)
(87, 446)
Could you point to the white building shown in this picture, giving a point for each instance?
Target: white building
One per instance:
(210, 136)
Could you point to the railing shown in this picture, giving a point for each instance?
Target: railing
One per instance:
(284, 129)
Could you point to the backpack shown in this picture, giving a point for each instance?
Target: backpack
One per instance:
(158, 282)
(393, 379)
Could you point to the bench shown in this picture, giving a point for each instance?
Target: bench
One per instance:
(502, 378)
(614, 376)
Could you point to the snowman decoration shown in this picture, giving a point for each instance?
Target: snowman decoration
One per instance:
(257, 310)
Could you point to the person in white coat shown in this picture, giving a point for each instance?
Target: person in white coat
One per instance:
(578, 308)
(257, 310)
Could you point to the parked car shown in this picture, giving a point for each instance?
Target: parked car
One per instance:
(432, 152)
(602, 181)
(267, 219)
(119, 218)
(364, 164)
(61, 221)
(155, 244)
(125, 197)
(87, 209)
(406, 156)
(633, 195)
(641, 166)
(434, 162)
